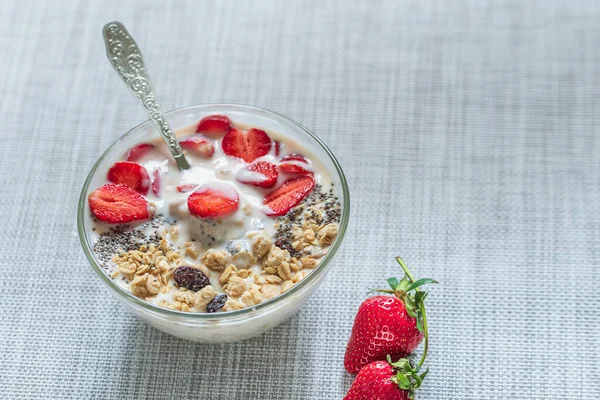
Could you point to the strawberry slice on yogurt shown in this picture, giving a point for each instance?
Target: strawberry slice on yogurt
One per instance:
(259, 173)
(139, 151)
(248, 145)
(119, 204)
(198, 146)
(213, 200)
(130, 174)
(287, 196)
(295, 164)
(187, 188)
(214, 124)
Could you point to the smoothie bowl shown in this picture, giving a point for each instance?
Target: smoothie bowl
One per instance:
(232, 246)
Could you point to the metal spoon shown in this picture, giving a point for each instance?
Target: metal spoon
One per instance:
(125, 56)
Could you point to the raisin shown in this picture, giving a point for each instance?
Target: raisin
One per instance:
(217, 303)
(190, 278)
(285, 245)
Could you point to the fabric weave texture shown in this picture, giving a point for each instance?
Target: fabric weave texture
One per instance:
(468, 131)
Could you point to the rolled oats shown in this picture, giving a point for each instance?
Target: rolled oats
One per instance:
(270, 270)
(232, 305)
(185, 296)
(144, 286)
(252, 297)
(327, 234)
(163, 245)
(204, 296)
(298, 276)
(126, 268)
(243, 259)
(284, 270)
(261, 243)
(309, 235)
(286, 285)
(269, 291)
(276, 256)
(272, 279)
(216, 260)
(249, 270)
(193, 249)
(308, 262)
(235, 287)
(230, 271)
(245, 273)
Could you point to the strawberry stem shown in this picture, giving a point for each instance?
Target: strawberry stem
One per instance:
(421, 305)
(425, 335)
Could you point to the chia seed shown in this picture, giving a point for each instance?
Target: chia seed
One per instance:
(122, 238)
(295, 217)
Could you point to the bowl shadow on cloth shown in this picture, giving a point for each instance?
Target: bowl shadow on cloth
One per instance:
(277, 362)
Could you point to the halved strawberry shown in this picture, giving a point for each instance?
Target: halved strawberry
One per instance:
(139, 151)
(156, 182)
(212, 200)
(130, 174)
(288, 196)
(214, 124)
(246, 145)
(118, 204)
(295, 164)
(259, 173)
(188, 187)
(198, 146)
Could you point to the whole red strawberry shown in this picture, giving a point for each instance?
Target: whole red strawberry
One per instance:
(388, 325)
(384, 380)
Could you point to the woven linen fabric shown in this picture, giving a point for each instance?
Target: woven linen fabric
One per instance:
(468, 131)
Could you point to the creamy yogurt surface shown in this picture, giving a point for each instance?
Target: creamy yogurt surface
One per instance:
(246, 255)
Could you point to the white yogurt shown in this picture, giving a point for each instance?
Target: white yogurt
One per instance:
(220, 172)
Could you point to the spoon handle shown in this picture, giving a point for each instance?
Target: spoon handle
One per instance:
(125, 56)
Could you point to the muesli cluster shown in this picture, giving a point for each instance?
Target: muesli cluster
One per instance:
(246, 223)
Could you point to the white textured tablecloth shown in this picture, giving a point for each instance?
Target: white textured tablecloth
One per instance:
(468, 131)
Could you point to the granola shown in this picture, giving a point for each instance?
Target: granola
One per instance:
(224, 245)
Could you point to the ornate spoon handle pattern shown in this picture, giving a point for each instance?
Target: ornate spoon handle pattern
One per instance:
(126, 57)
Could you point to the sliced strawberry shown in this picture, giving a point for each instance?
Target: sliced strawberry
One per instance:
(214, 124)
(288, 196)
(130, 174)
(188, 187)
(139, 151)
(246, 145)
(118, 204)
(278, 147)
(156, 182)
(295, 164)
(198, 146)
(294, 157)
(212, 200)
(259, 173)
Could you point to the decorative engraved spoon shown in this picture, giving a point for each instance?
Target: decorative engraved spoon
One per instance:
(125, 56)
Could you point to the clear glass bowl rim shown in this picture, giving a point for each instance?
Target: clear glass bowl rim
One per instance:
(223, 316)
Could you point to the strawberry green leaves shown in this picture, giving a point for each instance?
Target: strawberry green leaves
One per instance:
(407, 375)
(406, 290)
(419, 282)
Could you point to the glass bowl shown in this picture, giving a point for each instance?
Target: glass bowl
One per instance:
(227, 326)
